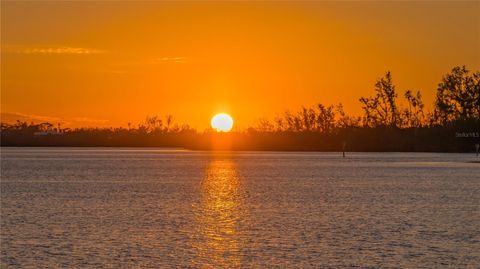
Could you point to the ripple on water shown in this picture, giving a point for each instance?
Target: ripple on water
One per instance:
(151, 208)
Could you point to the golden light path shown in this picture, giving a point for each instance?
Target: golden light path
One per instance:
(222, 122)
(220, 211)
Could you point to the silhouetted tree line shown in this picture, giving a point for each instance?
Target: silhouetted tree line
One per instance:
(387, 124)
(153, 132)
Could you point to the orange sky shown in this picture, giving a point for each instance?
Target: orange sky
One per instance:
(110, 63)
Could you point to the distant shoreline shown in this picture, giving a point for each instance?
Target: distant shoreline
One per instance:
(229, 150)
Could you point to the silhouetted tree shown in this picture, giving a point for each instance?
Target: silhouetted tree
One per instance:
(168, 120)
(308, 119)
(325, 119)
(344, 120)
(264, 125)
(458, 96)
(414, 115)
(381, 109)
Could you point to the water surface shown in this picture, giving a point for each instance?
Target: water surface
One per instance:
(151, 208)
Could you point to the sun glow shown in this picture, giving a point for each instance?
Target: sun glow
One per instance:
(222, 122)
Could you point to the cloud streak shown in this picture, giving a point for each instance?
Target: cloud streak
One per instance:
(12, 117)
(54, 50)
(172, 60)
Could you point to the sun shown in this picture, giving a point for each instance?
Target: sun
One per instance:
(222, 122)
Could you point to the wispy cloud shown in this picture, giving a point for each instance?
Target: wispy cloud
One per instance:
(172, 60)
(12, 117)
(52, 50)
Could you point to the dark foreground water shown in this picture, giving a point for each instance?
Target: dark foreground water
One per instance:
(125, 208)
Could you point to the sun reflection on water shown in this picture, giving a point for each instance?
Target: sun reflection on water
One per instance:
(218, 216)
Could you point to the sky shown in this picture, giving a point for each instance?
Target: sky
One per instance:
(108, 63)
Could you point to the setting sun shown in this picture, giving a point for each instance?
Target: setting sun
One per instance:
(222, 122)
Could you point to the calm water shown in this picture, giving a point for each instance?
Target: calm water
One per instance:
(124, 208)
